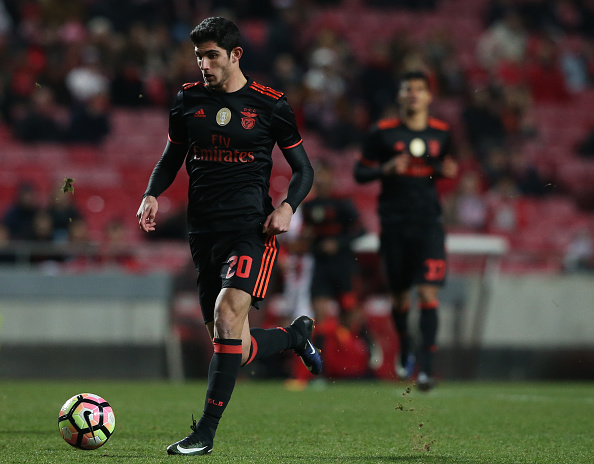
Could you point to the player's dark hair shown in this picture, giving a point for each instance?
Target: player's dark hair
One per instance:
(219, 30)
(413, 75)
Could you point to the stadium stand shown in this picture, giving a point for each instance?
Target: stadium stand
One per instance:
(111, 176)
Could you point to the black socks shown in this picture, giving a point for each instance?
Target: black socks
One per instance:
(222, 374)
(401, 323)
(428, 326)
(267, 342)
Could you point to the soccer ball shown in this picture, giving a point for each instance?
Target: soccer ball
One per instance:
(86, 421)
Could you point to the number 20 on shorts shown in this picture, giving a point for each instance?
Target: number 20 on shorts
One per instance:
(239, 266)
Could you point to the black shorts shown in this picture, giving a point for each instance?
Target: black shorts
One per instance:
(332, 275)
(237, 259)
(413, 255)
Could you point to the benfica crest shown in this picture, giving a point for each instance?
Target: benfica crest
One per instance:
(249, 119)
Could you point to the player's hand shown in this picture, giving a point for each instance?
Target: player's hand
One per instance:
(396, 166)
(147, 212)
(449, 168)
(279, 220)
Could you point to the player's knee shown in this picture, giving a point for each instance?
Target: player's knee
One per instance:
(400, 302)
(226, 322)
(428, 294)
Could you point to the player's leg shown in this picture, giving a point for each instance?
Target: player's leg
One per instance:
(400, 311)
(395, 258)
(429, 281)
(428, 325)
(263, 343)
(230, 315)
(249, 267)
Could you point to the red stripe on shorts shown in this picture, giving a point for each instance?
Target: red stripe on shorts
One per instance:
(266, 268)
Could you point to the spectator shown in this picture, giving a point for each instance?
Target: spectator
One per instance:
(43, 227)
(466, 208)
(63, 212)
(496, 165)
(516, 114)
(579, 254)
(87, 80)
(544, 76)
(504, 40)
(377, 76)
(526, 176)
(504, 211)
(89, 121)
(442, 57)
(574, 64)
(20, 217)
(483, 124)
(40, 123)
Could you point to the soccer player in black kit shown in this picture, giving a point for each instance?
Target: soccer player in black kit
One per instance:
(407, 154)
(225, 129)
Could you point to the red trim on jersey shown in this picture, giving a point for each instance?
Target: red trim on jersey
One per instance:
(227, 349)
(173, 141)
(189, 85)
(429, 305)
(292, 146)
(266, 268)
(268, 89)
(254, 351)
(388, 123)
(369, 163)
(438, 124)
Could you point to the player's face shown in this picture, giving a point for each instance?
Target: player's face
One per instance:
(414, 95)
(215, 63)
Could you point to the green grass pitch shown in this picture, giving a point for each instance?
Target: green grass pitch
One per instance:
(343, 422)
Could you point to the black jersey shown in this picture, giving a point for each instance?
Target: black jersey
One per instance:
(229, 139)
(411, 197)
(334, 218)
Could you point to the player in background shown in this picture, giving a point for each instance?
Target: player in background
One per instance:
(224, 129)
(407, 154)
(330, 225)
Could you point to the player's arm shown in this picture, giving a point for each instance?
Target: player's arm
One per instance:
(284, 128)
(445, 165)
(299, 186)
(161, 178)
(368, 168)
(166, 169)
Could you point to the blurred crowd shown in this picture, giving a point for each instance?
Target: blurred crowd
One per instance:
(66, 64)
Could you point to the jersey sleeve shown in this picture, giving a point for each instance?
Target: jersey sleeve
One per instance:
(174, 154)
(284, 126)
(302, 175)
(445, 151)
(371, 146)
(368, 167)
(177, 129)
